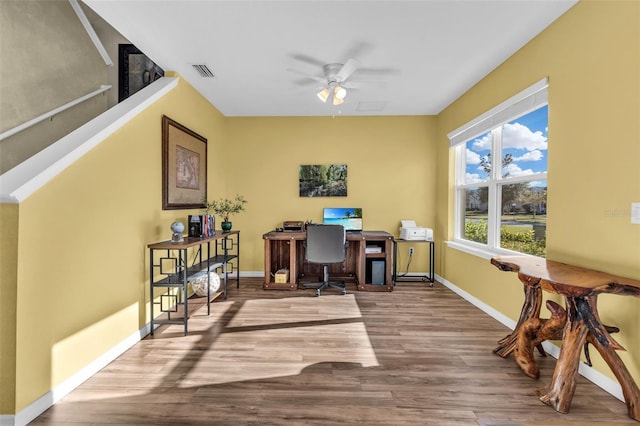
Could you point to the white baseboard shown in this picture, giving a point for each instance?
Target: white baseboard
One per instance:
(252, 274)
(605, 383)
(40, 405)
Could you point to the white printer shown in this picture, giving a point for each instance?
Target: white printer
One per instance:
(411, 232)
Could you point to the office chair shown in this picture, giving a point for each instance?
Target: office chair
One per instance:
(326, 244)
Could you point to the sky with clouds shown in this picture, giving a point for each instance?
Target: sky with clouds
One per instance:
(525, 138)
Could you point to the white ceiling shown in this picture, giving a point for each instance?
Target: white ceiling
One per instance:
(420, 54)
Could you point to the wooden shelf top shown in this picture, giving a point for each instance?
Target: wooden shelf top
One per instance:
(191, 241)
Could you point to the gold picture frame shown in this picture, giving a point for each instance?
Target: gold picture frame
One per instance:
(184, 167)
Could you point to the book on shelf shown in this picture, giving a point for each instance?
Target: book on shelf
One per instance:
(201, 225)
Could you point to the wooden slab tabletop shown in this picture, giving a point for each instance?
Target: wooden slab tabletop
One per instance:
(567, 280)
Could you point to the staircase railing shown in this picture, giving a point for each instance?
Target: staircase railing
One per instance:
(53, 112)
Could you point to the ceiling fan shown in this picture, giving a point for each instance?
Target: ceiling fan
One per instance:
(334, 81)
(336, 76)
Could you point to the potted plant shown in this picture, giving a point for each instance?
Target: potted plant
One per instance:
(225, 208)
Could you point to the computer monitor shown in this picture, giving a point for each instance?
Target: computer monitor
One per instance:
(349, 217)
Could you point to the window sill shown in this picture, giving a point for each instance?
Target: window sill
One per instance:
(482, 250)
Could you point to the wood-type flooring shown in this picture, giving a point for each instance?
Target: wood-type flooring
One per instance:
(419, 355)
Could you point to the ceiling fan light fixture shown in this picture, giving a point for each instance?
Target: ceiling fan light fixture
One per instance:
(337, 101)
(323, 95)
(340, 92)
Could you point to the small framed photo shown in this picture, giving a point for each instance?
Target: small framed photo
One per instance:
(184, 167)
(322, 180)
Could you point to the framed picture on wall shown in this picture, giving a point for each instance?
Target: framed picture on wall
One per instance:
(135, 71)
(184, 167)
(323, 180)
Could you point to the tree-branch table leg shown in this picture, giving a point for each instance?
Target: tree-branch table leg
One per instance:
(559, 392)
(533, 332)
(583, 325)
(607, 347)
(530, 309)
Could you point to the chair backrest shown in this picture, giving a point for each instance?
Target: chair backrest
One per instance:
(325, 243)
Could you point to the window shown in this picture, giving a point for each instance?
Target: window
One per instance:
(501, 176)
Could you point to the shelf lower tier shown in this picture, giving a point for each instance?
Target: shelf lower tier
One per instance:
(177, 279)
(194, 303)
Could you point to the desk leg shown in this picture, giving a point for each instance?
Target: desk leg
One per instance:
(267, 263)
(293, 263)
(432, 264)
(530, 309)
(395, 262)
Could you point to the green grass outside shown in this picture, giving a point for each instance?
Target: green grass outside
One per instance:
(539, 218)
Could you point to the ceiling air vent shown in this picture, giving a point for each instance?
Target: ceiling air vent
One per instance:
(203, 70)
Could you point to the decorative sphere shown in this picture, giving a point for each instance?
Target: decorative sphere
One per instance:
(199, 285)
(177, 227)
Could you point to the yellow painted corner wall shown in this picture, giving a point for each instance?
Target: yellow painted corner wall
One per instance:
(8, 272)
(591, 56)
(390, 173)
(82, 258)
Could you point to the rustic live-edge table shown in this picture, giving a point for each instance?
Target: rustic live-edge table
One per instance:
(580, 288)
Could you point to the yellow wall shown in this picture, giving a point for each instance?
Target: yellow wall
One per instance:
(9, 215)
(592, 58)
(82, 271)
(264, 155)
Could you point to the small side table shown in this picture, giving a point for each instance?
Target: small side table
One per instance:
(430, 278)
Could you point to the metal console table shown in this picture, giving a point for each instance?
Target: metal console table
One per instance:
(169, 269)
(430, 277)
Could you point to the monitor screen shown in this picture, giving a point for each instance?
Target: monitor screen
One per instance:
(350, 218)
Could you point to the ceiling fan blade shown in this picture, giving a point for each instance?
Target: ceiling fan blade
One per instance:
(354, 84)
(347, 69)
(307, 59)
(359, 50)
(306, 75)
(377, 72)
(305, 81)
(362, 84)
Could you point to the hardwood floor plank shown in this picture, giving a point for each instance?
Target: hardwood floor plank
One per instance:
(419, 355)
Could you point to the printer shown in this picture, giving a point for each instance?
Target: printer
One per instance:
(411, 232)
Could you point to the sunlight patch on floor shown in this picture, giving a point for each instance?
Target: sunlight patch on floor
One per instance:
(255, 355)
(276, 311)
(262, 341)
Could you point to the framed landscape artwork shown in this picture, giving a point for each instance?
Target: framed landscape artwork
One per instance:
(323, 180)
(184, 167)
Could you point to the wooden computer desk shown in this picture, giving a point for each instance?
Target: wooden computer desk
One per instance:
(580, 288)
(285, 249)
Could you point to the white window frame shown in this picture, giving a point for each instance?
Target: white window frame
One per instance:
(530, 99)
